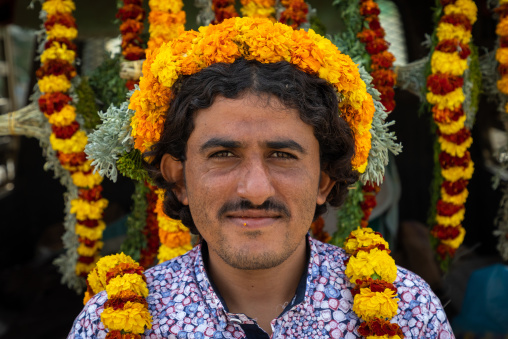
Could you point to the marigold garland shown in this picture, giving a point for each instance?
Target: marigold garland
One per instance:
(223, 9)
(502, 85)
(372, 271)
(448, 64)
(166, 20)
(68, 139)
(295, 13)
(125, 312)
(258, 9)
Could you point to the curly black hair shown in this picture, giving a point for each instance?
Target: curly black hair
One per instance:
(314, 99)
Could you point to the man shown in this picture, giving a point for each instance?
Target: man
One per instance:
(250, 155)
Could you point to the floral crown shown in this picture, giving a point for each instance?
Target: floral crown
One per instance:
(252, 39)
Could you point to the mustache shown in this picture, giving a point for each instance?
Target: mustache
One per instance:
(244, 205)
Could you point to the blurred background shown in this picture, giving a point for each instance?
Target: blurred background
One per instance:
(33, 302)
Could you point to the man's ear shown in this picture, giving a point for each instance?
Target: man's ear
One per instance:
(325, 186)
(172, 171)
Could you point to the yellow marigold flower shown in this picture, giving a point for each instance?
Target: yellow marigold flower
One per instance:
(172, 6)
(165, 32)
(110, 261)
(363, 237)
(251, 10)
(502, 55)
(455, 173)
(60, 31)
(466, 7)
(129, 281)
(453, 220)
(58, 51)
(455, 243)
(82, 268)
(58, 6)
(88, 209)
(94, 282)
(74, 144)
(501, 2)
(368, 305)
(90, 251)
(89, 180)
(166, 253)
(63, 118)
(170, 225)
(450, 63)
(361, 168)
(454, 149)
(458, 199)
(133, 318)
(502, 27)
(260, 3)
(365, 264)
(453, 127)
(446, 31)
(54, 83)
(502, 85)
(92, 233)
(452, 100)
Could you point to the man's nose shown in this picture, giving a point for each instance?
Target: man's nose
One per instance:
(255, 183)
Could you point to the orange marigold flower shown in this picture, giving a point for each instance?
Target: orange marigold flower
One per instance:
(369, 7)
(90, 194)
(65, 19)
(73, 159)
(446, 116)
(131, 26)
(131, 11)
(50, 103)
(384, 59)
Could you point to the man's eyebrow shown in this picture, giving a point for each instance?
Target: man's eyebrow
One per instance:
(286, 144)
(220, 142)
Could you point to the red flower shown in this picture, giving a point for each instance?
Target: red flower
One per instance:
(66, 20)
(446, 160)
(133, 2)
(446, 116)
(89, 223)
(447, 209)
(65, 132)
(374, 23)
(382, 60)
(369, 8)
(56, 67)
(86, 260)
(383, 78)
(124, 268)
(441, 83)
(368, 35)
(455, 187)
(457, 138)
(87, 242)
(452, 46)
(50, 103)
(376, 46)
(63, 41)
(457, 20)
(73, 159)
(444, 250)
(445, 232)
(387, 95)
(131, 11)
(92, 194)
(131, 26)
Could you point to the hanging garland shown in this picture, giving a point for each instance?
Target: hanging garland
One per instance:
(223, 9)
(502, 86)
(67, 139)
(132, 15)
(383, 79)
(258, 9)
(166, 20)
(295, 13)
(372, 272)
(449, 62)
(125, 313)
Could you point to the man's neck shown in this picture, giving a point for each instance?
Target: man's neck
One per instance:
(259, 294)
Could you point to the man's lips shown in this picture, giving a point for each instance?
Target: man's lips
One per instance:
(253, 218)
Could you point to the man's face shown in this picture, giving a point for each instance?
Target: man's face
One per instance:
(252, 180)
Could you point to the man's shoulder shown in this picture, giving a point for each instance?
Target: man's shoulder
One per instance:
(174, 271)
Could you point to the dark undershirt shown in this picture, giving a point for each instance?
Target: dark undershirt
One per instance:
(253, 331)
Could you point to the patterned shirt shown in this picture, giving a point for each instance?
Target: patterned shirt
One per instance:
(184, 304)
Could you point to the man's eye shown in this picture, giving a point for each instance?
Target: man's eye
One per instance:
(283, 155)
(222, 154)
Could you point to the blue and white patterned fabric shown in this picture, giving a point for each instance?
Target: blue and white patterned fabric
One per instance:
(184, 304)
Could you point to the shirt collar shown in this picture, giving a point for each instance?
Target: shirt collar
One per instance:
(217, 305)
